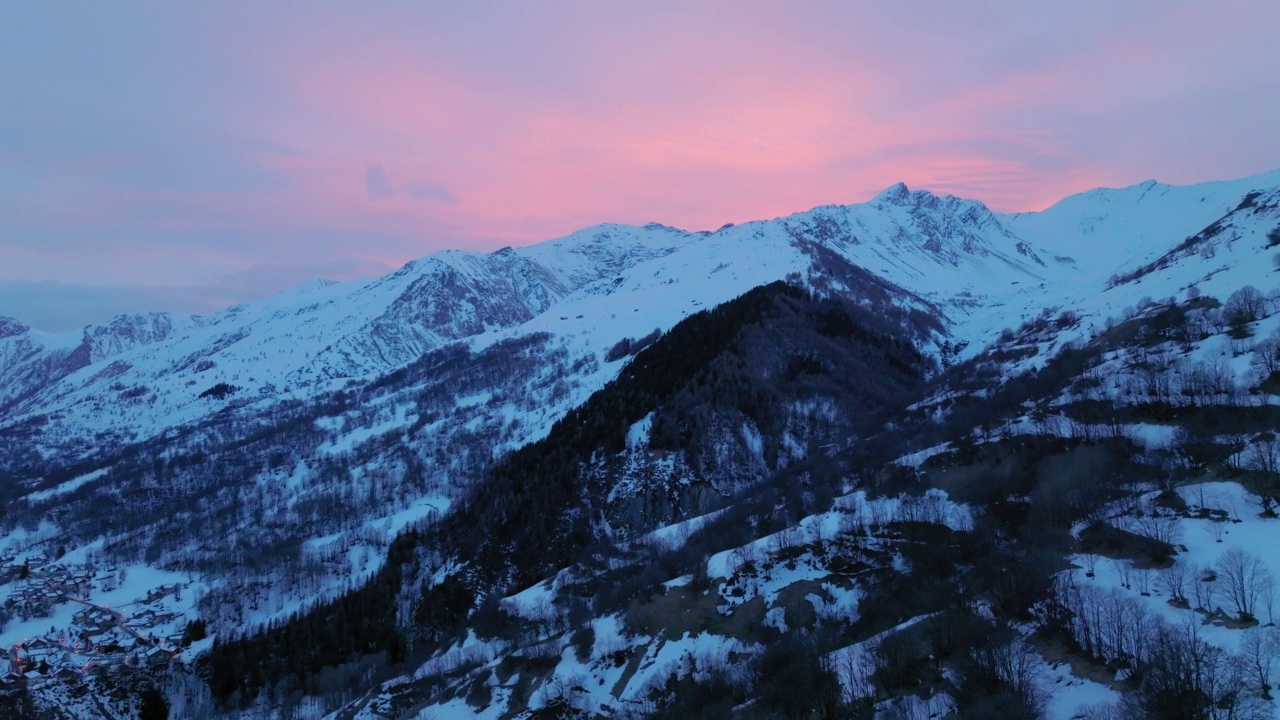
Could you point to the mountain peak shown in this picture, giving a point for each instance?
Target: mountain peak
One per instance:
(896, 194)
(899, 195)
(11, 326)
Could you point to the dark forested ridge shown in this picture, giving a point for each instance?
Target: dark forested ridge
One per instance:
(749, 356)
(752, 363)
(535, 511)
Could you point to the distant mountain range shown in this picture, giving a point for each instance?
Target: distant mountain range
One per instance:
(964, 260)
(440, 479)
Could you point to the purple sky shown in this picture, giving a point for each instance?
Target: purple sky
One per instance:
(164, 156)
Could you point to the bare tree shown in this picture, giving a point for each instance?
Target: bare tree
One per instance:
(1203, 587)
(1246, 304)
(1258, 648)
(1216, 529)
(1267, 598)
(1187, 676)
(1243, 575)
(1263, 478)
(1090, 564)
(1122, 569)
(1264, 454)
(1174, 580)
(1101, 711)
(855, 671)
(1273, 300)
(1239, 346)
(1017, 666)
(1160, 528)
(1237, 443)
(789, 539)
(1154, 377)
(1142, 581)
(1266, 357)
(1108, 623)
(851, 523)
(745, 559)
(1216, 320)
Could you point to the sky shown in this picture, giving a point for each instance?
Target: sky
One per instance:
(187, 156)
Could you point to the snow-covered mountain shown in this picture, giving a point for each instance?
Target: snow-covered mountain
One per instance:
(66, 396)
(31, 360)
(942, 249)
(970, 263)
(1107, 231)
(264, 457)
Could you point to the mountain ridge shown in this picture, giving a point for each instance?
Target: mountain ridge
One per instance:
(544, 437)
(327, 333)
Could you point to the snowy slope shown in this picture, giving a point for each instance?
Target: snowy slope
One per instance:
(1099, 255)
(621, 280)
(978, 272)
(32, 359)
(1106, 231)
(982, 271)
(300, 339)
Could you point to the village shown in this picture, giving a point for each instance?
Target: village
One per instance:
(85, 637)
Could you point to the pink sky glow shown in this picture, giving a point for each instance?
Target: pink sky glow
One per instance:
(240, 148)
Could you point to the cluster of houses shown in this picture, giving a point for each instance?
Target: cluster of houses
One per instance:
(98, 637)
(40, 586)
(98, 640)
(39, 659)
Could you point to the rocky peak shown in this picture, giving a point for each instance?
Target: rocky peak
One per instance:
(10, 327)
(896, 194)
(126, 332)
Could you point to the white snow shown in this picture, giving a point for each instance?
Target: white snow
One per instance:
(638, 433)
(983, 272)
(1069, 695)
(67, 486)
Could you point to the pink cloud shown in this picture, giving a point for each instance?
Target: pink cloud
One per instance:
(484, 125)
(709, 138)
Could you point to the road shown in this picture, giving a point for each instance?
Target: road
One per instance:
(119, 617)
